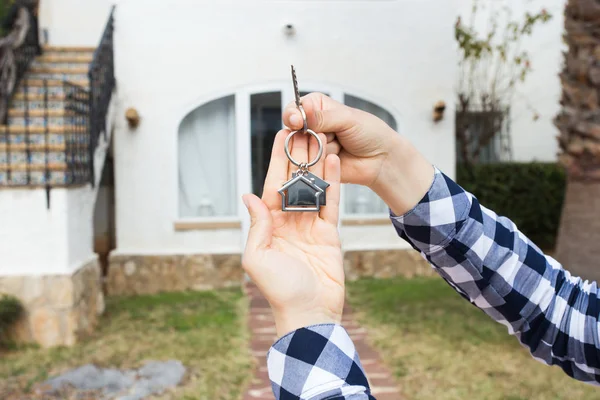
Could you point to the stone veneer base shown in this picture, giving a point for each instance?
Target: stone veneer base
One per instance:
(137, 274)
(385, 264)
(59, 309)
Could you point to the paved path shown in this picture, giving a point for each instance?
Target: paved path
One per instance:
(262, 328)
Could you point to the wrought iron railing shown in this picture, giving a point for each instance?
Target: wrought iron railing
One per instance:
(58, 150)
(79, 152)
(102, 84)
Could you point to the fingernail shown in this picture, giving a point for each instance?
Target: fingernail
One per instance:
(295, 120)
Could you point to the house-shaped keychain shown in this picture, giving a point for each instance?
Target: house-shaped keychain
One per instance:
(306, 192)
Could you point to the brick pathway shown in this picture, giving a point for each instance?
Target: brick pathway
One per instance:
(262, 328)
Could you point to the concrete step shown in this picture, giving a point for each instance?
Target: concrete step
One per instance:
(54, 87)
(52, 129)
(78, 59)
(40, 112)
(53, 69)
(43, 117)
(33, 147)
(37, 178)
(37, 105)
(50, 83)
(43, 121)
(52, 50)
(41, 166)
(61, 76)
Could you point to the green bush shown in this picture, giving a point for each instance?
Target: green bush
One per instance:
(531, 195)
(10, 311)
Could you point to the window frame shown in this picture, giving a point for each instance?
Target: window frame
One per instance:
(242, 168)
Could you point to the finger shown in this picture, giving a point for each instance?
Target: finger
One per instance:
(261, 227)
(313, 152)
(299, 151)
(323, 114)
(277, 174)
(333, 147)
(330, 137)
(331, 212)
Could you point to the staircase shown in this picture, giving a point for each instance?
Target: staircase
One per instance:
(45, 135)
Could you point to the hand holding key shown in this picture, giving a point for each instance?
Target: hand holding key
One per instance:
(371, 153)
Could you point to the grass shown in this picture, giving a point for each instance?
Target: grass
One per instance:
(204, 330)
(441, 347)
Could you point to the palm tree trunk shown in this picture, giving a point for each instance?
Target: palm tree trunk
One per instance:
(578, 246)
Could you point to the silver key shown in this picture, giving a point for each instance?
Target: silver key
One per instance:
(305, 191)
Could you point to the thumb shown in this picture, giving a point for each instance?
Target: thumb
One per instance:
(261, 227)
(324, 114)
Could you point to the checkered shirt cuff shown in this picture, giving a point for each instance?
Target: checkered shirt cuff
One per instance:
(434, 222)
(317, 362)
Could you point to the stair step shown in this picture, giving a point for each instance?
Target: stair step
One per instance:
(38, 97)
(38, 113)
(41, 121)
(37, 105)
(37, 178)
(53, 129)
(33, 167)
(58, 70)
(60, 77)
(52, 83)
(68, 67)
(32, 147)
(40, 142)
(59, 58)
(67, 49)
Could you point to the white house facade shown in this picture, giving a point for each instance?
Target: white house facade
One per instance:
(200, 86)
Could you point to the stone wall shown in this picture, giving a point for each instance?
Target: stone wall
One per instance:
(128, 275)
(385, 264)
(60, 309)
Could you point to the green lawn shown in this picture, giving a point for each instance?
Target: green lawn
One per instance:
(441, 347)
(204, 330)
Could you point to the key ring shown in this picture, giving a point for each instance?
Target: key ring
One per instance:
(289, 155)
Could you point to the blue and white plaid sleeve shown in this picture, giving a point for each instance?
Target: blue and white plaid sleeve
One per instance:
(486, 259)
(317, 362)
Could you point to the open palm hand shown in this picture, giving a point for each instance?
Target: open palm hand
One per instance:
(295, 258)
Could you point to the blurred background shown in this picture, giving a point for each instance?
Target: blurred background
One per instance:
(131, 128)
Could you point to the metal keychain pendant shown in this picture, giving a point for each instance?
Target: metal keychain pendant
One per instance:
(305, 191)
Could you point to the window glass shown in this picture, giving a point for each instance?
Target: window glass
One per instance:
(207, 186)
(360, 200)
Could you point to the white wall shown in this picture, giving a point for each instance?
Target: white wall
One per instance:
(180, 54)
(74, 22)
(534, 140)
(35, 240)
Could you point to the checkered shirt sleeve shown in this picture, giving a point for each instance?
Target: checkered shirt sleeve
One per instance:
(317, 362)
(485, 258)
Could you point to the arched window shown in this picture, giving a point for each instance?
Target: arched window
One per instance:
(360, 200)
(207, 165)
(207, 185)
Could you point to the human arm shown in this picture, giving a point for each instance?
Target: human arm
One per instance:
(295, 259)
(481, 255)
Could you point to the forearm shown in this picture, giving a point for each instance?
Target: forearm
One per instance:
(486, 259)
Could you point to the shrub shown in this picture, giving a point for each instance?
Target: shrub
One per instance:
(10, 311)
(531, 195)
